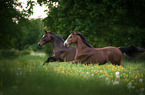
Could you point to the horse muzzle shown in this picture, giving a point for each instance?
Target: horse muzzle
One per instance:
(40, 45)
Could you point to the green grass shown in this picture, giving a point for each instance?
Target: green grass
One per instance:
(25, 75)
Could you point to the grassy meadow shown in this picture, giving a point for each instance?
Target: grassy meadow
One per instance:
(25, 75)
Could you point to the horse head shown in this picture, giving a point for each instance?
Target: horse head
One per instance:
(45, 39)
(72, 38)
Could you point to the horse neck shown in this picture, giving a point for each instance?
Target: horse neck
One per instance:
(80, 46)
(56, 43)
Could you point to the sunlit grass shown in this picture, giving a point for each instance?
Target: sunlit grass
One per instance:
(26, 75)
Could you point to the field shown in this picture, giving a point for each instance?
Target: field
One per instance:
(25, 75)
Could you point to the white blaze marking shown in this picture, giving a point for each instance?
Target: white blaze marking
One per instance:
(66, 40)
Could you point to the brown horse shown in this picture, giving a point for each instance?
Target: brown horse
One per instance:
(60, 52)
(85, 53)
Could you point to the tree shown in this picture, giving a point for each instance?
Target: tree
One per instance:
(103, 22)
(10, 19)
(32, 31)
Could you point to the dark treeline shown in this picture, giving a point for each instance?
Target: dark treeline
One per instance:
(17, 31)
(103, 22)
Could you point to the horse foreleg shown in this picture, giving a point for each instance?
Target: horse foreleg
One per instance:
(73, 62)
(51, 59)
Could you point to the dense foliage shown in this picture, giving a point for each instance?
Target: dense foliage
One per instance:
(9, 28)
(103, 22)
(32, 31)
(17, 31)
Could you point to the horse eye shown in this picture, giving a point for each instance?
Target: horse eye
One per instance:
(44, 36)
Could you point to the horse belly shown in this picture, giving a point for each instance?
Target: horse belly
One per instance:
(101, 58)
(97, 57)
(69, 56)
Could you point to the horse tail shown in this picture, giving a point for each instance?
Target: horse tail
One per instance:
(132, 50)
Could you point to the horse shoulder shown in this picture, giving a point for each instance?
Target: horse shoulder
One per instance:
(59, 52)
(68, 53)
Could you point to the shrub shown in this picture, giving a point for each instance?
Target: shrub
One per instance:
(8, 54)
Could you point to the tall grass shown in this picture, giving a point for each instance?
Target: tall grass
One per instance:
(25, 75)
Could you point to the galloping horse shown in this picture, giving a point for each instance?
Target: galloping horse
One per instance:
(60, 52)
(85, 53)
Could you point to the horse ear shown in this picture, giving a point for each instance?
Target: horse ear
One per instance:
(72, 32)
(45, 31)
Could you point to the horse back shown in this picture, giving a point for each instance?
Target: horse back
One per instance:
(66, 53)
(110, 51)
(103, 55)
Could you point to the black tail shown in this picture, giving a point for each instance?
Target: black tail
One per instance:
(131, 51)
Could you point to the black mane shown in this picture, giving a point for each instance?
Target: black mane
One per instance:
(56, 36)
(83, 39)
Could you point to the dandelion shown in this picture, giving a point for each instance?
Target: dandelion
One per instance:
(115, 82)
(129, 85)
(136, 76)
(117, 76)
(126, 80)
(117, 73)
(20, 73)
(133, 87)
(87, 73)
(107, 78)
(141, 80)
(92, 74)
(101, 76)
(62, 71)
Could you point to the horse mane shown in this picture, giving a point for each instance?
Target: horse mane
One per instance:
(83, 39)
(56, 36)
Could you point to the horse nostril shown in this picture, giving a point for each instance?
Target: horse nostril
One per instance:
(39, 45)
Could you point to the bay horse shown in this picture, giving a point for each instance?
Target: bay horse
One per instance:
(60, 52)
(85, 53)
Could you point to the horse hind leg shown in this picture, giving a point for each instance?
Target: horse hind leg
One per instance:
(117, 63)
(116, 60)
(102, 62)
